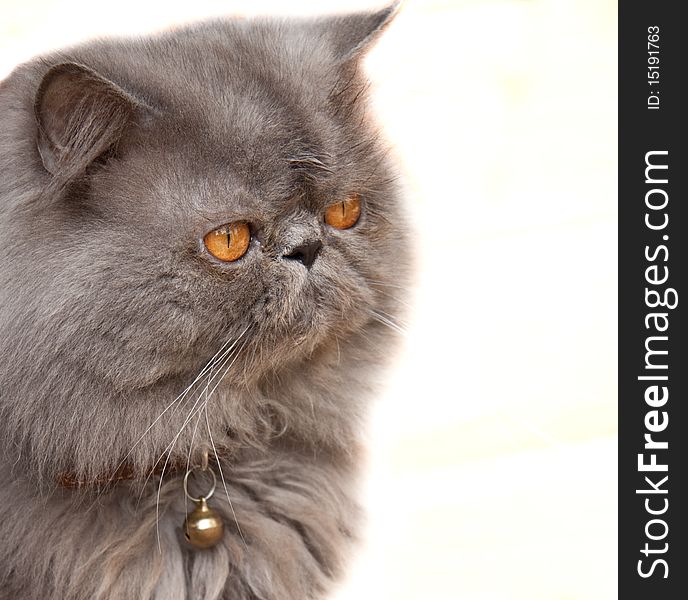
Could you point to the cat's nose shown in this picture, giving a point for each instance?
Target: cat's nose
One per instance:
(306, 253)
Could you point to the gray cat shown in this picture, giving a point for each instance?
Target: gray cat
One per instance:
(202, 251)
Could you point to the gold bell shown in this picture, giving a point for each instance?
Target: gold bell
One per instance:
(203, 528)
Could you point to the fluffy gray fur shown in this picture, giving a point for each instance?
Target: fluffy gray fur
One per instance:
(116, 158)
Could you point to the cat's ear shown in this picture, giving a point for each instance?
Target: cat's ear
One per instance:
(352, 35)
(80, 116)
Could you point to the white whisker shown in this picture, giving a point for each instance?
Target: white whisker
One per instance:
(396, 320)
(232, 356)
(393, 297)
(188, 459)
(222, 476)
(190, 416)
(177, 399)
(227, 369)
(385, 321)
(164, 467)
(386, 284)
(218, 359)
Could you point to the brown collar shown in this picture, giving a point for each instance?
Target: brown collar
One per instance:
(125, 472)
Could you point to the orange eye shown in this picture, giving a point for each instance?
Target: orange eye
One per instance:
(344, 214)
(228, 242)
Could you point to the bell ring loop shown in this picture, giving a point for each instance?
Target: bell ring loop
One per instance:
(206, 496)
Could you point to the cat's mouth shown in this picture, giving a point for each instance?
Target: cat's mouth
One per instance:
(287, 325)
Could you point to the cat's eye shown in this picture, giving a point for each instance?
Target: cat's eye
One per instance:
(229, 242)
(344, 214)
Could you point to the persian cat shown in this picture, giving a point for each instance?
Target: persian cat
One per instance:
(202, 254)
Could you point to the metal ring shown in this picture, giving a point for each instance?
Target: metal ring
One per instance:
(186, 486)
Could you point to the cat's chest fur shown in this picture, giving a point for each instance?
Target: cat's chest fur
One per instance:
(290, 528)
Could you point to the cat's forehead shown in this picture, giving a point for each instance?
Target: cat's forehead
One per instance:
(264, 163)
(242, 103)
(226, 170)
(251, 69)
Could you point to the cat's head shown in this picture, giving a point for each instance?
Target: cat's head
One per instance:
(218, 191)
